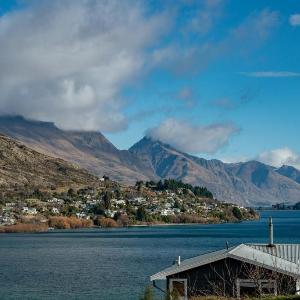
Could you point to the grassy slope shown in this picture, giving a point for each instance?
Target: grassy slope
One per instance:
(22, 167)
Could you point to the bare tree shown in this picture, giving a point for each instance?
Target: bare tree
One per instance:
(256, 280)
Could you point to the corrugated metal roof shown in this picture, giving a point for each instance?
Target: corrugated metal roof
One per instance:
(290, 252)
(247, 253)
(282, 258)
(191, 263)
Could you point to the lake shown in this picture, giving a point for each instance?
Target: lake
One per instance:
(115, 264)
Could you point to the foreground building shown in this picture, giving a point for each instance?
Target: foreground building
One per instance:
(243, 270)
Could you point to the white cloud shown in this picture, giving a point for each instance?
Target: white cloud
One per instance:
(67, 61)
(279, 157)
(193, 138)
(295, 20)
(271, 74)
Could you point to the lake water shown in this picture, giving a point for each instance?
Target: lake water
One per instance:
(115, 264)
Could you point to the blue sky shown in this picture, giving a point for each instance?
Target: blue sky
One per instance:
(219, 79)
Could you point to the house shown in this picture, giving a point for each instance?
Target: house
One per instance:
(167, 212)
(110, 213)
(32, 211)
(25, 209)
(243, 270)
(7, 219)
(56, 200)
(92, 202)
(29, 210)
(120, 202)
(82, 215)
(55, 210)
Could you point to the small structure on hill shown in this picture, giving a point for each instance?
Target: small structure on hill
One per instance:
(240, 271)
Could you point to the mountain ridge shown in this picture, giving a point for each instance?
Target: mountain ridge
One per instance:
(290, 172)
(247, 183)
(88, 149)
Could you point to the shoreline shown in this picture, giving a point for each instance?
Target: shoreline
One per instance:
(38, 228)
(188, 224)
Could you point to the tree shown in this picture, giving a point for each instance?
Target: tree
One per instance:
(107, 200)
(150, 184)
(174, 295)
(160, 186)
(106, 178)
(118, 193)
(141, 214)
(71, 192)
(38, 194)
(176, 204)
(123, 220)
(297, 206)
(185, 191)
(252, 212)
(105, 222)
(139, 185)
(97, 209)
(174, 185)
(148, 294)
(237, 213)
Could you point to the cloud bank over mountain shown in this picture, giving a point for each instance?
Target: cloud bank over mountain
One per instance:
(129, 65)
(67, 61)
(279, 157)
(193, 138)
(78, 56)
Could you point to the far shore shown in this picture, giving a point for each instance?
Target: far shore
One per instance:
(39, 228)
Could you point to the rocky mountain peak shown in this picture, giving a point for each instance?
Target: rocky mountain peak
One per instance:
(247, 183)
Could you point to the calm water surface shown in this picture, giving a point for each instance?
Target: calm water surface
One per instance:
(116, 264)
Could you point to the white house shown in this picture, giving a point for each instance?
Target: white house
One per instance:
(55, 210)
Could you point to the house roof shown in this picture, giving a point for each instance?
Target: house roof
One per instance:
(290, 252)
(282, 258)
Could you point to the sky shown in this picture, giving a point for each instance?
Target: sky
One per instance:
(214, 78)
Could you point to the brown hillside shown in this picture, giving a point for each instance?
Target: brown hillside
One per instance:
(24, 168)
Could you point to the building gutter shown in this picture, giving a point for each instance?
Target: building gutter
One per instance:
(157, 287)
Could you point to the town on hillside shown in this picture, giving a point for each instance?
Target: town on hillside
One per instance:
(111, 205)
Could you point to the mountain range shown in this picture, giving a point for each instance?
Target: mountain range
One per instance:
(247, 183)
(90, 150)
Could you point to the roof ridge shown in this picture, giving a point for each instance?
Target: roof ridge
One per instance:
(282, 251)
(275, 244)
(238, 246)
(242, 252)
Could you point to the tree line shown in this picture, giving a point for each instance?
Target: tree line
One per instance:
(174, 185)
